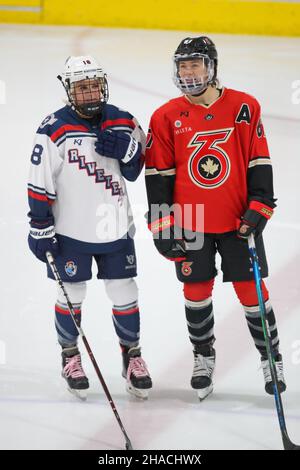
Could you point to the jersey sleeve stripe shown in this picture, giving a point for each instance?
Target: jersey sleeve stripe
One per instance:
(40, 197)
(118, 122)
(260, 161)
(66, 128)
(155, 171)
(122, 128)
(38, 190)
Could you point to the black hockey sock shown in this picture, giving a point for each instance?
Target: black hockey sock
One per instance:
(200, 320)
(255, 326)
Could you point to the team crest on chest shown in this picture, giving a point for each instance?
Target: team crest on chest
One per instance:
(209, 164)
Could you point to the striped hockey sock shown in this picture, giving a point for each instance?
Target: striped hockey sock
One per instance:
(126, 319)
(253, 318)
(66, 330)
(200, 320)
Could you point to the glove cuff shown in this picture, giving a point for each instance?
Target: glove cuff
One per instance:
(161, 224)
(261, 208)
(40, 223)
(48, 232)
(132, 150)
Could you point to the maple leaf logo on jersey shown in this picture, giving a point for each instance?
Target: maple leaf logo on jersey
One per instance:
(209, 164)
(210, 167)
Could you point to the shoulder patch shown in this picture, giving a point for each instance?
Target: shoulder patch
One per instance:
(260, 129)
(48, 121)
(149, 141)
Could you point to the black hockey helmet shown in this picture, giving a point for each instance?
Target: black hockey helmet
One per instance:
(193, 48)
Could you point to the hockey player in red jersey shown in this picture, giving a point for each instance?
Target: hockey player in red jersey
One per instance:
(209, 185)
(79, 211)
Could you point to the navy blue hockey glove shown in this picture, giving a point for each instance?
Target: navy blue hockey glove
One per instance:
(118, 145)
(254, 220)
(170, 247)
(41, 240)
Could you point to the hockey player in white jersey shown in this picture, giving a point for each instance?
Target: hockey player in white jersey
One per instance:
(79, 211)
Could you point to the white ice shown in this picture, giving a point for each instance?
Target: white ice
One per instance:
(36, 411)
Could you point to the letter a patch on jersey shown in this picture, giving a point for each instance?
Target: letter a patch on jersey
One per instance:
(244, 114)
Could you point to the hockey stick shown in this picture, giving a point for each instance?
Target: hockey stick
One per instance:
(88, 348)
(287, 443)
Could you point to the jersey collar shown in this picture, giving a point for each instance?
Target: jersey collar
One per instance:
(223, 91)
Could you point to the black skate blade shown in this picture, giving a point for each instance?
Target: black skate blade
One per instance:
(80, 394)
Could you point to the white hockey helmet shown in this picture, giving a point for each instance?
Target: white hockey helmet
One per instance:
(78, 68)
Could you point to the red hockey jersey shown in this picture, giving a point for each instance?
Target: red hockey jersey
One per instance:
(215, 155)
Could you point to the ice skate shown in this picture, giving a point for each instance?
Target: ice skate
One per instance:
(138, 380)
(267, 374)
(73, 373)
(204, 364)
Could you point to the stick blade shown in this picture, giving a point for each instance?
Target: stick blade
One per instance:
(292, 446)
(288, 444)
(128, 445)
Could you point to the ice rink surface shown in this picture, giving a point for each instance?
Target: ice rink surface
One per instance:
(36, 411)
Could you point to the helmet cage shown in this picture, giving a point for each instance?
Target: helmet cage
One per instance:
(90, 72)
(88, 107)
(190, 85)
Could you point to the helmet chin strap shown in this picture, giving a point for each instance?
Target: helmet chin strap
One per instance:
(199, 94)
(85, 110)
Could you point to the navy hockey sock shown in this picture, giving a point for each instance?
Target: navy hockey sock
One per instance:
(126, 320)
(200, 320)
(66, 330)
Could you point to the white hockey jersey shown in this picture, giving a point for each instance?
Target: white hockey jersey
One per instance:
(84, 191)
